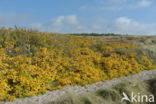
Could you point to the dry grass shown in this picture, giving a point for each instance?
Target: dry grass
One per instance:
(111, 95)
(148, 43)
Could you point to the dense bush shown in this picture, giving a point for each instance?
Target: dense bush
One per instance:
(32, 62)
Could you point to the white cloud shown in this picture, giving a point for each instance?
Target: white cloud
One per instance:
(136, 5)
(72, 24)
(118, 5)
(144, 3)
(126, 25)
(113, 1)
(71, 19)
(83, 7)
(12, 18)
(139, 3)
(118, 1)
(126, 21)
(61, 24)
(112, 8)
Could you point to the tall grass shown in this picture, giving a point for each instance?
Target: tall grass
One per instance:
(111, 95)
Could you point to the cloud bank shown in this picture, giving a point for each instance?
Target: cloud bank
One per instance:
(73, 24)
(61, 24)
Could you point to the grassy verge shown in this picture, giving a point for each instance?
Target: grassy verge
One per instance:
(112, 95)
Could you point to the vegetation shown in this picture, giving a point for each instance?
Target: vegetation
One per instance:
(32, 62)
(96, 34)
(147, 43)
(112, 95)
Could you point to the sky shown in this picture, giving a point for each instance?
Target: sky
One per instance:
(135, 17)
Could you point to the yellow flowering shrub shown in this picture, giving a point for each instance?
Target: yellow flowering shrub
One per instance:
(32, 62)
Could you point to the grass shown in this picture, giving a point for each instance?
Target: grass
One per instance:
(148, 43)
(112, 95)
(152, 87)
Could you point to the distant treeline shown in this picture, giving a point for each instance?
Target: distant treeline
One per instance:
(95, 34)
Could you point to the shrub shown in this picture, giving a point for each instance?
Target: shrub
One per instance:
(32, 62)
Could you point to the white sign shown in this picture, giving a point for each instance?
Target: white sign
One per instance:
(137, 97)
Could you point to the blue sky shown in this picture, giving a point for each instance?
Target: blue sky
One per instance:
(78, 16)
